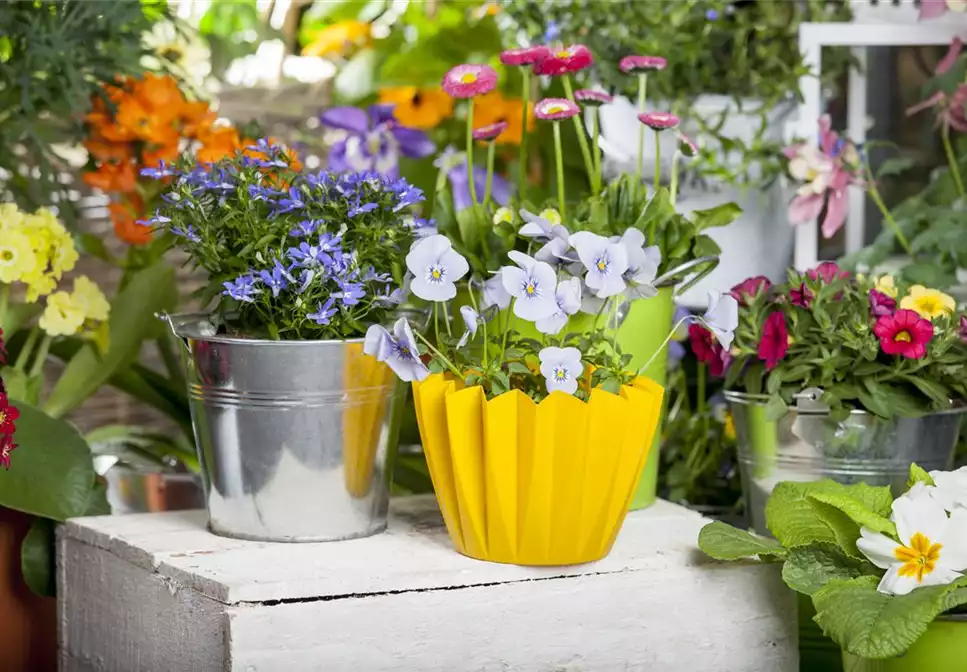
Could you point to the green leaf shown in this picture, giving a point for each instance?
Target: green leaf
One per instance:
(895, 165)
(929, 274)
(809, 568)
(918, 475)
(51, 474)
(857, 511)
(724, 542)
(776, 408)
(720, 215)
(871, 624)
(132, 320)
(796, 519)
(37, 557)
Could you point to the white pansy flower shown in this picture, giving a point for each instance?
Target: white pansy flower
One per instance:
(722, 317)
(568, 297)
(436, 267)
(561, 368)
(532, 285)
(471, 319)
(494, 293)
(605, 261)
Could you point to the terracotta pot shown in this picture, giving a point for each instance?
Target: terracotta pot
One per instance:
(28, 623)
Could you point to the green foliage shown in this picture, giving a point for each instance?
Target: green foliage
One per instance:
(918, 475)
(37, 557)
(724, 542)
(833, 347)
(808, 568)
(54, 57)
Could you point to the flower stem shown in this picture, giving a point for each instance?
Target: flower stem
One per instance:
(473, 303)
(642, 97)
(614, 324)
(661, 347)
(41, 357)
(582, 136)
(436, 321)
(558, 155)
(490, 171)
(27, 348)
(440, 355)
(4, 303)
(503, 344)
(446, 319)
(952, 160)
(657, 160)
(674, 187)
(596, 135)
(522, 177)
(887, 215)
(473, 190)
(700, 402)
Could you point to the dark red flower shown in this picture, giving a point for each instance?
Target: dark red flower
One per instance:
(775, 340)
(721, 362)
(7, 446)
(881, 304)
(802, 296)
(963, 328)
(565, 60)
(827, 271)
(708, 350)
(750, 288)
(8, 416)
(904, 333)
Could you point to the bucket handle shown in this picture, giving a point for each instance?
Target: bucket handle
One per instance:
(165, 317)
(668, 278)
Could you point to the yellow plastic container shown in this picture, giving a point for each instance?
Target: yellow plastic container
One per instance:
(535, 484)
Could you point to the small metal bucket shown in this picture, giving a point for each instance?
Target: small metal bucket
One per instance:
(293, 437)
(809, 446)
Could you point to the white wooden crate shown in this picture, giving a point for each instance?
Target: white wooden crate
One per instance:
(157, 592)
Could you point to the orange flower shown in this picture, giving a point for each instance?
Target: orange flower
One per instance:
(339, 39)
(113, 177)
(104, 151)
(124, 214)
(196, 117)
(417, 108)
(167, 153)
(218, 142)
(160, 95)
(493, 107)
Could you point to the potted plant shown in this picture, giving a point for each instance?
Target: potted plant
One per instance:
(293, 425)
(884, 574)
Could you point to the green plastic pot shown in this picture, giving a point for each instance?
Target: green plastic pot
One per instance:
(942, 648)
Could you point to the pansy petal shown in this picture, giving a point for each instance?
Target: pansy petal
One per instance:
(513, 279)
(346, 118)
(455, 264)
(414, 144)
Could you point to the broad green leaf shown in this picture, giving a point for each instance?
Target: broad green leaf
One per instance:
(720, 215)
(37, 557)
(97, 504)
(51, 473)
(809, 568)
(871, 624)
(857, 510)
(895, 166)
(724, 542)
(132, 320)
(918, 475)
(795, 519)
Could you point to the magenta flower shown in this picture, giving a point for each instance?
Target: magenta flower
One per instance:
(687, 146)
(825, 172)
(828, 271)
(555, 109)
(525, 56)
(592, 97)
(949, 108)
(881, 304)
(802, 296)
(904, 333)
(963, 328)
(750, 288)
(642, 63)
(490, 131)
(775, 340)
(469, 80)
(659, 121)
(564, 61)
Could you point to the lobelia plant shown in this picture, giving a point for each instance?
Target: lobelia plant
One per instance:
(870, 344)
(879, 570)
(291, 256)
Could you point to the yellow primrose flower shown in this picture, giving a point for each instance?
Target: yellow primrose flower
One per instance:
(928, 303)
(17, 257)
(886, 285)
(38, 285)
(551, 215)
(65, 255)
(10, 216)
(339, 39)
(503, 216)
(63, 316)
(90, 299)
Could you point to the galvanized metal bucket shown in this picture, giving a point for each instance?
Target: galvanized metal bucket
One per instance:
(134, 491)
(810, 446)
(293, 436)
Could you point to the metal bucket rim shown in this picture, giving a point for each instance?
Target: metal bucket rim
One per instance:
(179, 320)
(762, 399)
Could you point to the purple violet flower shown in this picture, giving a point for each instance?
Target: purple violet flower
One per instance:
(455, 165)
(374, 140)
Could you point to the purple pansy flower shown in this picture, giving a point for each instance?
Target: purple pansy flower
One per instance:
(374, 140)
(455, 165)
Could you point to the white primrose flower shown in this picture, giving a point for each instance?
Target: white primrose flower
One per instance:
(722, 317)
(931, 551)
(436, 267)
(398, 350)
(561, 368)
(951, 489)
(471, 318)
(539, 228)
(568, 297)
(494, 293)
(532, 285)
(605, 261)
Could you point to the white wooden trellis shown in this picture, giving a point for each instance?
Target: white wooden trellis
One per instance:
(874, 24)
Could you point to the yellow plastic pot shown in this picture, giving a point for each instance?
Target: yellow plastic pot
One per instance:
(535, 484)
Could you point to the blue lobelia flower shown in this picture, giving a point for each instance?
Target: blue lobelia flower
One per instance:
(372, 275)
(276, 279)
(409, 196)
(294, 201)
(374, 140)
(258, 193)
(158, 220)
(552, 32)
(309, 256)
(358, 208)
(305, 228)
(324, 313)
(188, 233)
(219, 182)
(350, 292)
(329, 242)
(243, 289)
(162, 171)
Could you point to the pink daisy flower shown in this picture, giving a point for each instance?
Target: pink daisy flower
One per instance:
(642, 63)
(592, 97)
(565, 60)
(659, 121)
(490, 131)
(469, 80)
(525, 56)
(687, 146)
(556, 108)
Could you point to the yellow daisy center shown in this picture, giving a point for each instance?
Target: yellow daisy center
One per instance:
(919, 558)
(563, 53)
(468, 78)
